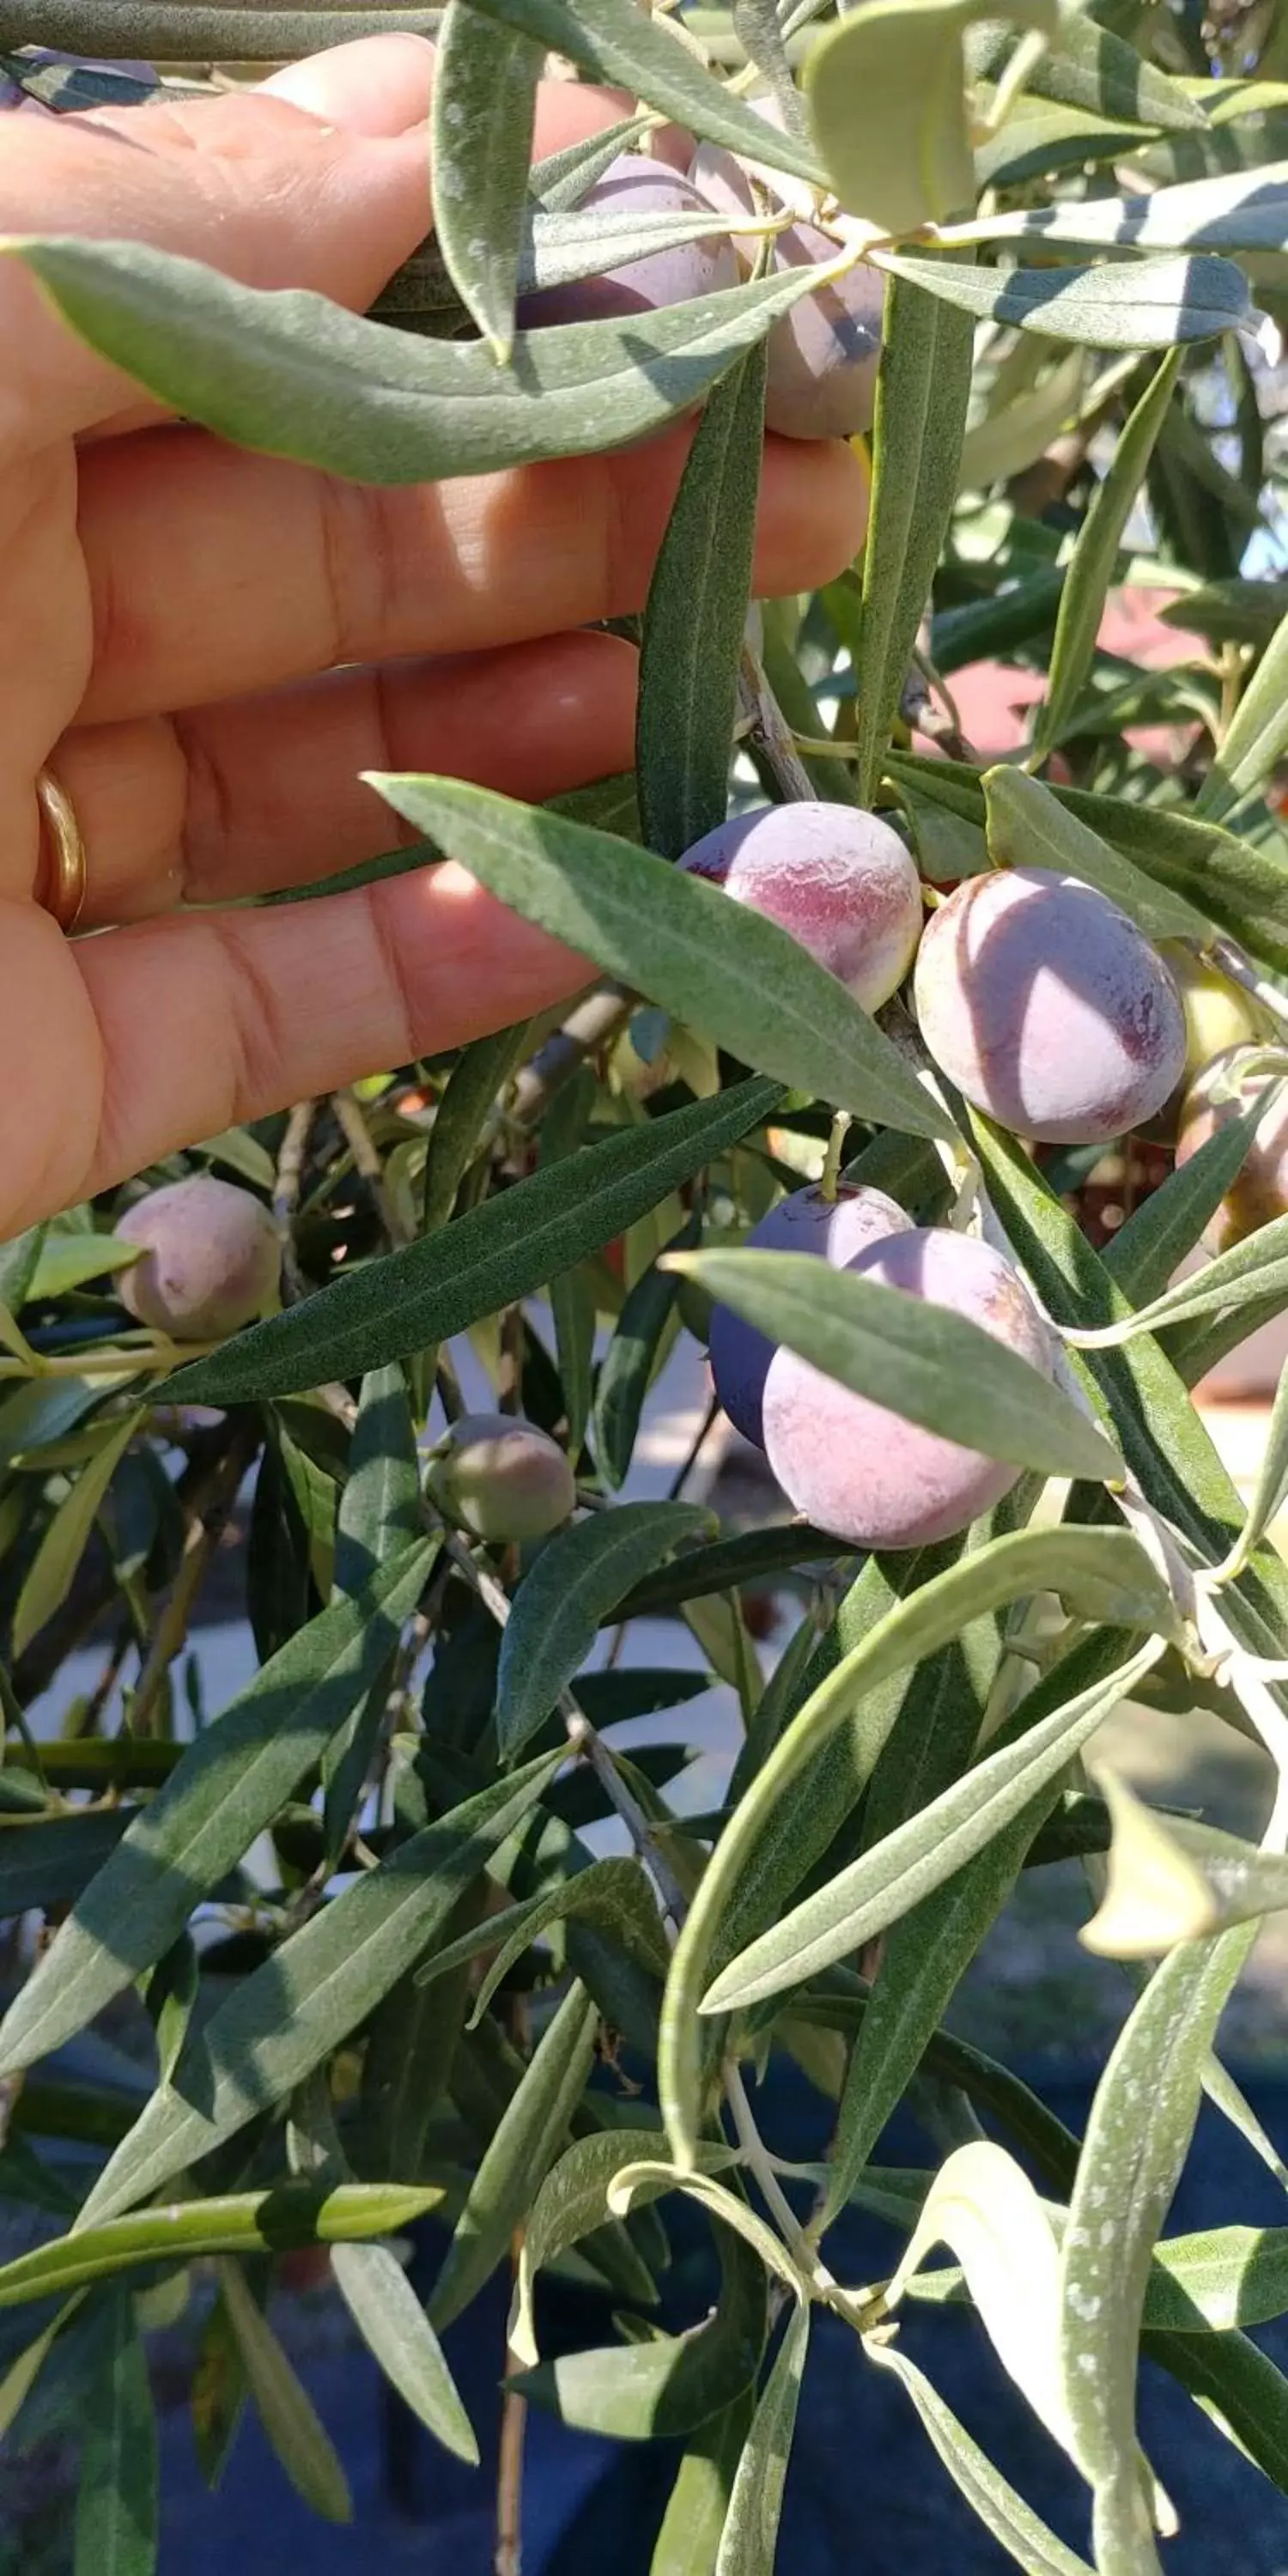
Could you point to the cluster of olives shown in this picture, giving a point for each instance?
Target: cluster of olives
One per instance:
(1038, 999)
(823, 354)
(1047, 1008)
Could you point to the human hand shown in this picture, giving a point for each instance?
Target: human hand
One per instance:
(208, 647)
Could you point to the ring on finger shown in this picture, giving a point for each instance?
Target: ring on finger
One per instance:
(64, 879)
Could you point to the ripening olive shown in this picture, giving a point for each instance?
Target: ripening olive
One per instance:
(839, 880)
(837, 1230)
(863, 1472)
(1048, 1008)
(212, 1260)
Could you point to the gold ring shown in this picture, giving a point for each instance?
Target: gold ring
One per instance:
(66, 876)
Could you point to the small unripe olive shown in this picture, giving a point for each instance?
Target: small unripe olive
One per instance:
(212, 1260)
(1260, 1191)
(500, 1478)
(1217, 1017)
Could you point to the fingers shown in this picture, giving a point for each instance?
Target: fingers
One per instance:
(213, 571)
(265, 793)
(332, 198)
(115, 1050)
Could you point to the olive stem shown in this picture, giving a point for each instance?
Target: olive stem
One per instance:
(1024, 61)
(769, 730)
(761, 2165)
(832, 1159)
(1233, 963)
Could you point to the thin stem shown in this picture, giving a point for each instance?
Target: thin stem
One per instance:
(768, 730)
(583, 1740)
(366, 1161)
(204, 1532)
(1233, 963)
(594, 1023)
(694, 1451)
(833, 1157)
(509, 2482)
(762, 2166)
(286, 1193)
(156, 1358)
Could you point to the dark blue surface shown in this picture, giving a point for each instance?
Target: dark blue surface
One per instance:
(866, 2496)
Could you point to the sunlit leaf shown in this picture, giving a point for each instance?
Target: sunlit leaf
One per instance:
(1142, 2120)
(1101, 1566)
(1145, 304)
(1254, 740)
(887, 94)
(255, 2222)
(915, 1859)
(1171, 1880)
(1004, 2513)
(613, 41)
(393, 2325)
(923, 386)
(572, 2201)
(750, 2540)
(485, 91)
(983, 2205)
(293, 375)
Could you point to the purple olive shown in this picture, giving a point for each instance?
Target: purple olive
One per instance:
(500, 1478)
(824, 353)
(212, 1261)
(837, 1230)
(635, 186)
(859, 1470)
(1048, 1008)
(1260, 1191)
(839, 880)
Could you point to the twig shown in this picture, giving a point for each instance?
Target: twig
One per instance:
(509, 2485)
(107, 1680)
(286, 1193)
(202, 1538)
(366, 1161)
(1233, 963)
(583, 1740)
(694, 1452)
(768, 730)
(594, 1022)
(34, 1670)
